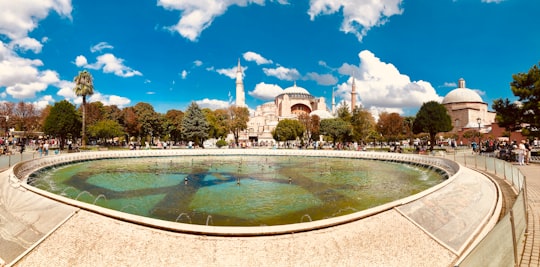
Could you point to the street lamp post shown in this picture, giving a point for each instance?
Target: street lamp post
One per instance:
(479, 134)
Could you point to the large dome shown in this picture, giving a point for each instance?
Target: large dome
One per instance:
(295, 90)
(461, 95)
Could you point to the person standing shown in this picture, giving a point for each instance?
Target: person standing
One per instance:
(527, 152)
(46, 148)
(521, 153)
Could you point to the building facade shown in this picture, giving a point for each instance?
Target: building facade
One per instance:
(468, 111)
(290, 104)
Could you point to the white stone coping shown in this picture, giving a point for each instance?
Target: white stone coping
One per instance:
(24, 169)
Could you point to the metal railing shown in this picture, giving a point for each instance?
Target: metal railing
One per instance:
(504, 244)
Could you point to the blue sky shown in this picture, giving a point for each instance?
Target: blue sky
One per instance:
(171, 52)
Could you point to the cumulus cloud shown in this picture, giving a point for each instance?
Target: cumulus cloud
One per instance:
(492, 1)
(252, 56)
(283, 73)
(358, 16)
(81, 61)
(18, 18)
(322, 79)
(21, 76)
(108, 100)
(109, 63)
(380, 85)
(184, 74)
(212, 103)
(230, 72)
(66, 91)
(266, 91)
(26, 44)
(100, 46)
(197, 15)
(42, 102)
(197, 63)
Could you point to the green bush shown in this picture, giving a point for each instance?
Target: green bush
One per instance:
(221, 143)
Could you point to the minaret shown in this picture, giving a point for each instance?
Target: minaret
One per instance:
(240, 95)
(353, 95)
(333, 102)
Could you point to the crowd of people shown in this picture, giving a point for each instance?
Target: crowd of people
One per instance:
(520, 152)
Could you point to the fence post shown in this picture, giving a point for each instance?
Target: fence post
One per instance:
(525, 201)
(514, 238)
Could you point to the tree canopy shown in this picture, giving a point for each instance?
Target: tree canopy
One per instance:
(195, 125)
(432, 118)
(288, 129)
(237, 121)
(507, 114)
(390, 125)
(62, 122)
(363, 125)
(106, 129)
(337, 129)
(526, 86)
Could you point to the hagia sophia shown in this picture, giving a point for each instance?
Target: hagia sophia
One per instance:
(465, 106)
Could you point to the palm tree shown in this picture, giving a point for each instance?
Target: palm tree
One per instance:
(83, 87)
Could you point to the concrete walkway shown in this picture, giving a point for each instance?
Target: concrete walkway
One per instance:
(531, 253)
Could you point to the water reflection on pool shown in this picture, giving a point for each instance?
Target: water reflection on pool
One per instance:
(236, 190)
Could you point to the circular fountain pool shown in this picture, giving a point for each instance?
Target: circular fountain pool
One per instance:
(236, 190)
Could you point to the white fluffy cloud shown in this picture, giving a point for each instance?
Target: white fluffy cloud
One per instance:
(22, 77)
(322, 79)
(66, 91)
(42, 102)
(252, 56)
(230, 72)
(212, 103)
(197, 15)
(26, 44)
(266, 91)
(359, 16)
(18, 18)
(109, 63)
(81, 61)
(108, 100)
(283, 73)
(380, 85)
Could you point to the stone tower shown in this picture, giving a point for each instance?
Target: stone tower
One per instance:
(353, 95)
(240, 94)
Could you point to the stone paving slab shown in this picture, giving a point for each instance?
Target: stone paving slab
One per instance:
(454, 213)
(387, 239)
(531, 253)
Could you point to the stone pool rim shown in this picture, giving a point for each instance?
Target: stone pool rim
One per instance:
(24, 169)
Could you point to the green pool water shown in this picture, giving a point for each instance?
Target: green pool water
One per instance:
(236, 190)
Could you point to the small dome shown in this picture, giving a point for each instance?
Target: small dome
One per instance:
(322, 114)
(461, 95)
